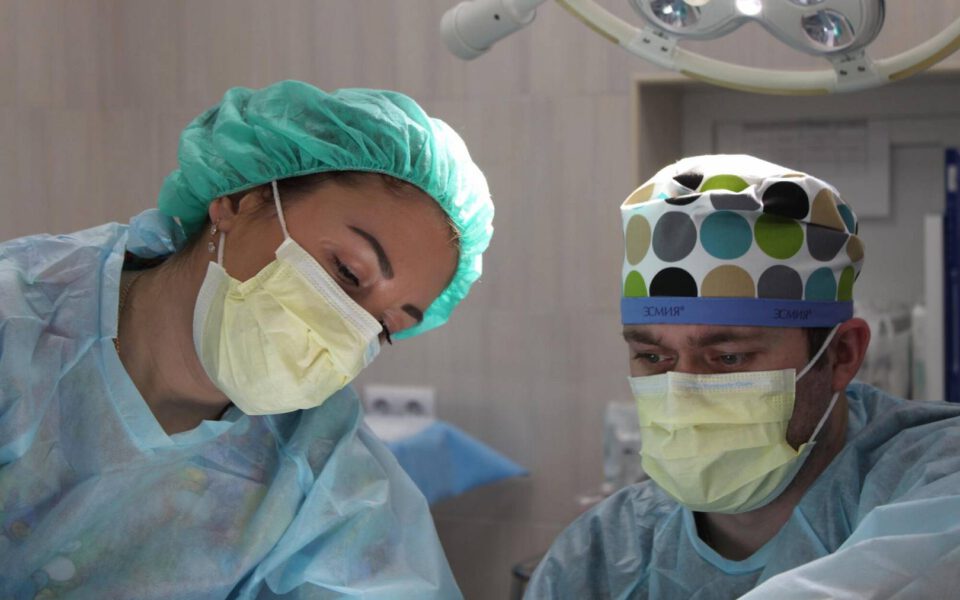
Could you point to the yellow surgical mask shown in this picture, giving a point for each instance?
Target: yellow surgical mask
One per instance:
(718, 443)
(286, 339)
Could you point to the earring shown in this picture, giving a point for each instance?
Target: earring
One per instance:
(211, 247)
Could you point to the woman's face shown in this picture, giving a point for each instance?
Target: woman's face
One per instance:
(393, 254)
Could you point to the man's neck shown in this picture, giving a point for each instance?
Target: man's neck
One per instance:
(739, 536)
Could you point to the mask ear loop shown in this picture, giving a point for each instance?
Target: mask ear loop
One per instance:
(823, 419)
(823, 348)
(276, 202)
(223, 242)
(283, 223)
(836, 395)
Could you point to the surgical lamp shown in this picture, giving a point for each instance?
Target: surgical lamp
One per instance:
(838, 31)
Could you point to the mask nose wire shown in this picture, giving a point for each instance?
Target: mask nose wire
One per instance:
(276, 202)
(823, 348)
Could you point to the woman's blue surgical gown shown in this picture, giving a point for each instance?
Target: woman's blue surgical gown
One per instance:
(96, 501)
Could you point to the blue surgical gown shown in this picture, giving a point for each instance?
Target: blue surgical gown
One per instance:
(883, 519)
(96, 501)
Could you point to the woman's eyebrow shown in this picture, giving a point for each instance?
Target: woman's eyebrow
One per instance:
(385, 267)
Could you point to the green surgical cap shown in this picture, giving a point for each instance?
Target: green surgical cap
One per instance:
(291, 128)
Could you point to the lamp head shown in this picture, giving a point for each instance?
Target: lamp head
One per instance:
(819, 27)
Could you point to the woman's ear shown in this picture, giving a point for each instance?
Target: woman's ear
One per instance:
(222, 213)
(848, 350)
(224, 210)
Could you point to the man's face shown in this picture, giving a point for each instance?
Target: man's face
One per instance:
(715, 349)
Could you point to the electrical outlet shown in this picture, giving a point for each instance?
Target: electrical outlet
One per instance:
(400, 400)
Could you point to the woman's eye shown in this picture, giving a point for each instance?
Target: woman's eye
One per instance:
(345, 272)
(385, 334)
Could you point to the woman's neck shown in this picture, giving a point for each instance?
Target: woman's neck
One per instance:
(155, 334)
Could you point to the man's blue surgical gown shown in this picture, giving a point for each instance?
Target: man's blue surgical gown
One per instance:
(882, 521)
(96, 501)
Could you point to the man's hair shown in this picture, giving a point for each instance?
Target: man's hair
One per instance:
(816, 336)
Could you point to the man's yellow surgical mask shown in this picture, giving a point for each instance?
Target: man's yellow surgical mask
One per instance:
(718, 443)
(286, 339)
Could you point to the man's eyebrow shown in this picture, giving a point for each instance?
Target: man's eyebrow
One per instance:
(414, 312)
(385, 267)
(722, 337)
(641, 337)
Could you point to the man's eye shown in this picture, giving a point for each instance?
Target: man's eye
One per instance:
(730, 359)
(648, 357)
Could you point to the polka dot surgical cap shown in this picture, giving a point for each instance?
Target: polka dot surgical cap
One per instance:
(735, 240)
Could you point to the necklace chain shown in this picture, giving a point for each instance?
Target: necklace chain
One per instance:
(123, 300)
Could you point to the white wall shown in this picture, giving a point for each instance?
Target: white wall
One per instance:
(95, 92)
(919, 118)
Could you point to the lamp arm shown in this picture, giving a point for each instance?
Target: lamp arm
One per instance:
(923, 56)
(848, 73)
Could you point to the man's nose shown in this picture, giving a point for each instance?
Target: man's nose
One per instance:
(691, 363)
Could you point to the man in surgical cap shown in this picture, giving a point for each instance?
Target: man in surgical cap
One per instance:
(174, 421)
(772, 474)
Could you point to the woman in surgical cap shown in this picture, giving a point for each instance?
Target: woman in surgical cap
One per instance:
(175, 420)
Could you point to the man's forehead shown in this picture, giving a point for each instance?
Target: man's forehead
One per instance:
(700, 335)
